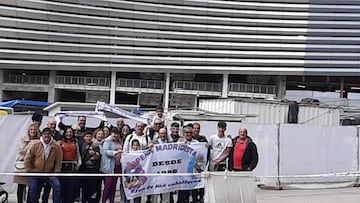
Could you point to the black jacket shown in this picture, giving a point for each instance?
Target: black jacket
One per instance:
(250, 157)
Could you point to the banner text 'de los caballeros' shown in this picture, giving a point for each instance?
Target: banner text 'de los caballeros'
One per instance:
(163, 158)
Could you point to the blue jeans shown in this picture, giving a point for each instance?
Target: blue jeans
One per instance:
(36, 183)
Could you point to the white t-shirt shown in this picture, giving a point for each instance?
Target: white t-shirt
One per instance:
(143, 140)
(218, 146)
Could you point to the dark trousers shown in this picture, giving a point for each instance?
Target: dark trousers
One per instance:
(198, 195)
(171, 197)
(90, 186)
(183, 196)
(68, 189)
(136, 200)
(46, 192)
(221, 167)
(89, 189)
(21, 194)
(99, 182)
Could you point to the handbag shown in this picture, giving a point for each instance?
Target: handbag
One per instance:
(68, 167)
(19, 166)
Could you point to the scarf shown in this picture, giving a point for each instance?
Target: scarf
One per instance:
(113, 109)
(47, 148)
(93, 114)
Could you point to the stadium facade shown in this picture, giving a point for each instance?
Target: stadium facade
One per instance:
(148, 52)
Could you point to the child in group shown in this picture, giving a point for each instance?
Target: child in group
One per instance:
(135, 146)
(90, 157)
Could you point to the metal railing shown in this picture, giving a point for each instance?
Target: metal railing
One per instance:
(138, 83)
(198, 86)
(27, 79)
(80, 80)
(252, 88)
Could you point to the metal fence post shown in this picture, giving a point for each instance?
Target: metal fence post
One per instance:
(278, 183)
(357, 183)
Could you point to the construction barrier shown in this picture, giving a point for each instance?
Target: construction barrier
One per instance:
(229, 187)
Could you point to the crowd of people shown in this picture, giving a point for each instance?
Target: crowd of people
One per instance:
(80, 149)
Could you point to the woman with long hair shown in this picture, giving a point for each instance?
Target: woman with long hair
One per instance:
(31, 135)
(125, 131)
(98, 135)
(71, 163)
(106, 131)
(110, 163)
(98, 140)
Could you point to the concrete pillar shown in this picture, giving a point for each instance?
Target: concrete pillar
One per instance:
(166, 92)
(138, 102)
(225, 85)
(281, 87)
(113, 88)
(196, 102)
(342, 87)
(51, 88)
(1, 83)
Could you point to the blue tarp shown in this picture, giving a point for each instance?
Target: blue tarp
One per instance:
(12, 103)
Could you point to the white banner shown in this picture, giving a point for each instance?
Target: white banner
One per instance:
(93, 114)
(105, 107)
(171, 158)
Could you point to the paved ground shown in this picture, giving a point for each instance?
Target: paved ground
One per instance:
(342, 195)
